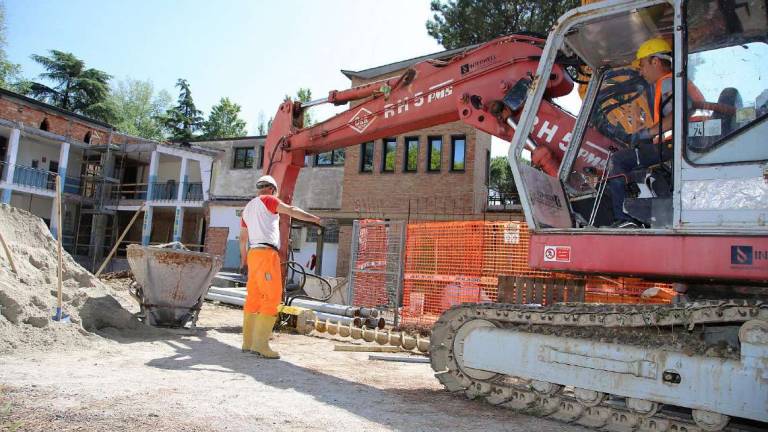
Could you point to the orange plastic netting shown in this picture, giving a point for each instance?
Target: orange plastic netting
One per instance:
(448, 263)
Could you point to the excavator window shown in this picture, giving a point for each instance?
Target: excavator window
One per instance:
(726, 58)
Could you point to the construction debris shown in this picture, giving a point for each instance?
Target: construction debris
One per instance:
(28, 296)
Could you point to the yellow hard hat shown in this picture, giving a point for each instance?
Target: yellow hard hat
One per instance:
(653, 46)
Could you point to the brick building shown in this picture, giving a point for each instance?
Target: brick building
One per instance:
(106, 175)
(438, 173)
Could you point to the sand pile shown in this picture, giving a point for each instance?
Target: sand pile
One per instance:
(28, 299)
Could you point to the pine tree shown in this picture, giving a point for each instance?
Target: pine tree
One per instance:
(184, 119)
(74, 88)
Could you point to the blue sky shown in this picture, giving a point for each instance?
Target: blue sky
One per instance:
(254, 52)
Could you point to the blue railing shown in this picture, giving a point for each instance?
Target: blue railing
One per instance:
(34, 178)
(193, 192)
(166, 191)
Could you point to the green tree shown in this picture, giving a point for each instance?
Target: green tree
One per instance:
(262, 127)
(138, 109)
(302, 95)
(73, 86)
(224, 122)
(501, 179)
(10, 73)
(184, 119)
(458, 23)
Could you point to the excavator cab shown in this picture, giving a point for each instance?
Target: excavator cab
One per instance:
(710, 187)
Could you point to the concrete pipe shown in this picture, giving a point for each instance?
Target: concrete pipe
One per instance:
(329, 308)
(228, 299)
(343, 320)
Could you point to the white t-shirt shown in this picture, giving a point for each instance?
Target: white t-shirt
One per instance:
(262, 221)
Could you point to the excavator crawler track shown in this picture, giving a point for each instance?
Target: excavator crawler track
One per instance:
(672, 328)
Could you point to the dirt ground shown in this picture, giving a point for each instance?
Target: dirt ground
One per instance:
(200, 381)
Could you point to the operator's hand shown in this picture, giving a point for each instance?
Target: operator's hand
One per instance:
(640, 137)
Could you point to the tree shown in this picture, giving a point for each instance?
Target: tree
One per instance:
(184, 119)
(458, 23)
(137, 108)
(302, 95)
(223, 122)
(262, 124)
(501, 180)
(10, 73)
(74, 87)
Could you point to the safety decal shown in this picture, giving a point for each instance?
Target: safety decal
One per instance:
(557, 253)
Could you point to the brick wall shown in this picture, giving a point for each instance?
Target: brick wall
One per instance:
(381, 194)
(395, 195)
(216, 240)
(33, 114)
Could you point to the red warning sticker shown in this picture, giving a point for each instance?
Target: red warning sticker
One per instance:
(557, 253)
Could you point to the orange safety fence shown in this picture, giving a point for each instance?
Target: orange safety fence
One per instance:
(448, 263)
(376, 261)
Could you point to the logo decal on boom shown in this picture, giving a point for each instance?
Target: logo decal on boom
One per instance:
(361, 120)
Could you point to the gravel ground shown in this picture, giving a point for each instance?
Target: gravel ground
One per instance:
(200, 381)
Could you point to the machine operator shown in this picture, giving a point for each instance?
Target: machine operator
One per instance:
(654, 61)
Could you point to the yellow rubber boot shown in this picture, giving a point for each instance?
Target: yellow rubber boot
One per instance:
(249, 320)
(262, 330)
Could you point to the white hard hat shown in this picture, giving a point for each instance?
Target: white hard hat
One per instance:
(267, 179)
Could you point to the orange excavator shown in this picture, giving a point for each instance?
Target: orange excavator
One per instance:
(700, 363)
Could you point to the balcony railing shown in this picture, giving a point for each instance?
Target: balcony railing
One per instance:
(34, 178)
(161, 191)
(129, 191)
(193, 192)
(502, 199)
(167, 191)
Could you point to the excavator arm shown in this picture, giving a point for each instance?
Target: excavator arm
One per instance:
(469, 87)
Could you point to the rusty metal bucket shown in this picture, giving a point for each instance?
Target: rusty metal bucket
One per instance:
(172, 283)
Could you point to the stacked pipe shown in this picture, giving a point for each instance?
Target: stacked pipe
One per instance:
(359, 316)
(380, 336)
(342, 320)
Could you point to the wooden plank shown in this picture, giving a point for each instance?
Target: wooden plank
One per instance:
(367, 348)
(399, 359)
(519, 290)
(538, 290)
(506, 289)
(529, 291)
(553, 288)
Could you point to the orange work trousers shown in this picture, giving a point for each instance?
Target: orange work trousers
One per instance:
(265, 287)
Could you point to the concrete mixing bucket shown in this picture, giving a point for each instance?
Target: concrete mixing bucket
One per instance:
(173, 282)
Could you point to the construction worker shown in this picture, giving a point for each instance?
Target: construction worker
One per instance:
(654, 62)
(259, 246)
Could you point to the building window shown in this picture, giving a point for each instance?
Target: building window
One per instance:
(244, 157)
(411, 159)
(388, 152)
(331, 235)
(366, 157)
(434, 153)
(45, 125)
(458, 152)
(331, 158)
(261, 157)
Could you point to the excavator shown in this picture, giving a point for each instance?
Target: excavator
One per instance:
(698, 363)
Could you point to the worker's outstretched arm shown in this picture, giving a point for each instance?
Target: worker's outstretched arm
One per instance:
(297, 213)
